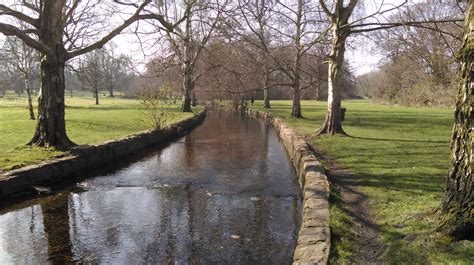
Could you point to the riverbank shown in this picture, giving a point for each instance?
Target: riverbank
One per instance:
(86, 124)
(88, 157)
(396, 159)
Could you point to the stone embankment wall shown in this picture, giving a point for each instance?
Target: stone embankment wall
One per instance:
(88, 157)
(314, 236)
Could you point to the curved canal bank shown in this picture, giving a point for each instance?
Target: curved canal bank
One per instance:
(88, 157)
(225, 193)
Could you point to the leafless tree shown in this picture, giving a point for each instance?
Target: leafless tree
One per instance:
(60, 30)
(300, 27)
(21, 58)
(343, 24)
(92, 72)
(197, 22)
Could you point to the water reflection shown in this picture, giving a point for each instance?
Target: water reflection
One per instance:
(225, 193)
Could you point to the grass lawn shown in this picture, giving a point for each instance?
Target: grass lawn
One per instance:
(86, 124)
(399, 156)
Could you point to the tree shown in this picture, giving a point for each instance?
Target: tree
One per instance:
(92, 72)
(200, 19)
(300, 29)
(60, 30)
(457, 205)
(21, 58)
(256, 18)
(115, 68)
(339, 16)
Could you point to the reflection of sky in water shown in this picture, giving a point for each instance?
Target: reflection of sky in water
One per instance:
(181, 204)
(22, 232)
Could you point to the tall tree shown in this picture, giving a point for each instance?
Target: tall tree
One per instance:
(457, 205)
(20, 58)
(199, 21)
(339, 19)
(256, 15)
(300, 30)
(61, 30)
(92, 72)
(342, 27)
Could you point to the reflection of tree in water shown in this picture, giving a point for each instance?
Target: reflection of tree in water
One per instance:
(56, 227)
(189, 152)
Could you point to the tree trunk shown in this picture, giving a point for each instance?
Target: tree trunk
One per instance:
(51, 126)
(96, 95)
(457, 205)
(333, 122)
(28, 93)
(111, 92)
(266, 97)
(296, 110)
(187, 87)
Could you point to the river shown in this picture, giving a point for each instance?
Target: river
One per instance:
(224, 194)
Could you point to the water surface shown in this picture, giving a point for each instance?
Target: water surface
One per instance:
(225, 193)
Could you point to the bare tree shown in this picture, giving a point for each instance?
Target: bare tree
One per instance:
(92, 72)
(21, 58)
(61, 30)
(187, 41)
(342, 27)
(255, 17)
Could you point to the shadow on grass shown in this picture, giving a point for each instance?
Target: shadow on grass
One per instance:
(398, 140)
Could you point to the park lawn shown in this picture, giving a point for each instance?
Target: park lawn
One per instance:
(399, 156)
(86, 124)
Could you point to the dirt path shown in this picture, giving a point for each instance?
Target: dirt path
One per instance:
(365, 237)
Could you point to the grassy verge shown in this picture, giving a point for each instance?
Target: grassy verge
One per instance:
(399, 156)
(86, 124)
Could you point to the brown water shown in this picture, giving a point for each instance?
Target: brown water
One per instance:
(226, 193)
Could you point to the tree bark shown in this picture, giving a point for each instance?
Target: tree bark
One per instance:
(28, 93)
(111, 92)
(187, 88)
(333, 122)
(457, 205)
(187, 67)
(296, 109)
(266, 96)
(51, 126)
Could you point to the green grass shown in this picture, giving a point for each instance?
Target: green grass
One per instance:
(86, 124)
(399, 156)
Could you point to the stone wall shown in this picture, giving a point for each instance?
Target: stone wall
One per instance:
(314, 236)
(88, 157)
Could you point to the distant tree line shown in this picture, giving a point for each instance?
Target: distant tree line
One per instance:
(419, 65)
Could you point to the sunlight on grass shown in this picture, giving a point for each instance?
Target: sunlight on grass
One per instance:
(399, 156)
(86, 124)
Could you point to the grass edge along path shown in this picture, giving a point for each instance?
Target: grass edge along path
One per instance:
(398, 157)
(86, 123)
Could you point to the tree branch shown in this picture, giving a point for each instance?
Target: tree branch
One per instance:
(10, 30)
(16, 14)
(136, 16)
